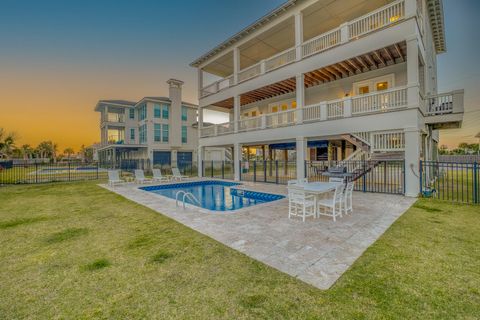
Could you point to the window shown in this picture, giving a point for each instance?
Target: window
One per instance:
(157, 131)
(165, 111)
(142, 133)
(132, 134)
(184, 134)
(184, 113)
(156, 111)
(131, 113)
(254, 113)
(274, 108)
(382, 85)
(165, 133)
(142, 112)
(363, 90)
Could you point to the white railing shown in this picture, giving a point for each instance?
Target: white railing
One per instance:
(249, 72)
(363, 136)
(440, 104)
(225, 128)
(388, 141)
(207, 131)
(380, 101)
(280, 59)
(281, 119)
(312, 112)
(321, 43)
(116, 117)
(335, 109)
(249, 124)
(217, 86)
(377, 19)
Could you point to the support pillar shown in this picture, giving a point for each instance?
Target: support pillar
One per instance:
(412, 72)
(200, 156)
(413, 144)
(298, 35)
(200, 83)
(301, 157)
(236, 64)
(236, 112)
(237, 157)
(300, 98)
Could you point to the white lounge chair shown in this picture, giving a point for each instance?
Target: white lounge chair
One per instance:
(157, 176)
(140, 177)
(114, 178)
(332, 204)
(299, 181)
(300, 203)
(348, 198)
(336, 180)
(177, 175)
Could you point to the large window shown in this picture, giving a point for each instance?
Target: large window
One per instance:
(142, 133)
(142, 112)
(157, 132)
(184, 134)
(165, 111)
(157, 112)
(132, 134)
(131, 113)
(184, 113)
(165, 133)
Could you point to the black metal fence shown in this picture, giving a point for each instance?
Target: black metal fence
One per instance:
(268, 171)
(379, 176)
(456, 182)
(218, 169)
(29, 173)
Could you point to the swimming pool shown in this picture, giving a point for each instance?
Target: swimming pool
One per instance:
(215, 195)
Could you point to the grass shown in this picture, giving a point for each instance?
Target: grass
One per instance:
(76, 251)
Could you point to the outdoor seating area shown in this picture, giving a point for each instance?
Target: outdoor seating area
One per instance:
(333, 198)
(115, 178)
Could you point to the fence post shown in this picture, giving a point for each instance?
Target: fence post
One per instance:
(254, 170)
(364, 176)
(36, 172)
(223, 169)
(264, 170)
(305, 169)
(98, 164)
(276, 171)
(211, 169)
(421, 177)
(202, 168)
(475, 182)
(69, 178)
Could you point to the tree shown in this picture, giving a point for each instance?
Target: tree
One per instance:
(26, 151)
(68, 152)
(443, 149)
(47, 149)
(7, 143)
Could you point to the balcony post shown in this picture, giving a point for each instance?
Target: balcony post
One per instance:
(262, 67)
(347, 107)
(236, 64)
(200, 82)
(410, 8)
(323, 111)
(236, 112)
(412, 160)
(237, 157)
(264, 121)
(412, 72)
(298, 35)
(215, 130)
(344, 35)
(200, 152)
(301, 149)
(457, 101)
(200, 118)
(300, 99)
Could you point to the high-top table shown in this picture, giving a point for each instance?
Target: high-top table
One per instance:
(317, 189)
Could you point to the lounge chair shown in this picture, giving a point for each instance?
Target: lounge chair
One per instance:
(157, 176)
(140, 177)
(177, 175)
(300, 203)
(114, 178)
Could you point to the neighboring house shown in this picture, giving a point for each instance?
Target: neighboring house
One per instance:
(336, 80)
(155, 128)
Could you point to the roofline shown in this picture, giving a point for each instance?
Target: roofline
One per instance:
(187, 104)
(97, 106)
(249, 29)
(437, 23)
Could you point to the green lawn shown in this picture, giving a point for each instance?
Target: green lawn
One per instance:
(74, 250)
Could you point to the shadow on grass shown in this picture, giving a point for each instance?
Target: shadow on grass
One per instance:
(66, 234)
(96, 265)
(426, 208)
(161, 257)
(21, 221)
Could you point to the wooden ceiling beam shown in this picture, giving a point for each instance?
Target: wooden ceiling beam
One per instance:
(339, 69)
(379, 57)
(371, 61)
(319, 74)
(347, 67)
(364, 65)
(399, 52)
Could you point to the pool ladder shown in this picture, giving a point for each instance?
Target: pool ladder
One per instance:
(186, 195)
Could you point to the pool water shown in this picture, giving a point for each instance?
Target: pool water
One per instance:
(215, 195)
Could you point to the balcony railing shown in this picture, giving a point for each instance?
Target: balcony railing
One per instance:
(350, 31)
(373, 103)
(114, 117)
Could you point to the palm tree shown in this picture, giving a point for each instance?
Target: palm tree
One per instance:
(68, 151)
(47, 149)
(7, 143)
(26, 151)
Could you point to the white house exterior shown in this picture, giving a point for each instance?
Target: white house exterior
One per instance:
(360, 74)
(157, 128)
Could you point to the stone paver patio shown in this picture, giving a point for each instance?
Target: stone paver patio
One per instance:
(318, 251)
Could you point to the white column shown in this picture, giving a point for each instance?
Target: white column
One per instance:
(298, 35)
(237, 156)
(410, 8)
(236, 64)
(200, 83)
(300, 99)
(301, 156)
(200, 119)
(200, 152)
(412, 72)
(344, 33)
(236, 112)
(347, 108)
(413, 144)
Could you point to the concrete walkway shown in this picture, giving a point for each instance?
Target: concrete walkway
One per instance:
(318, 251)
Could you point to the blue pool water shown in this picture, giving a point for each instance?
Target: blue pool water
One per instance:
(215, 195)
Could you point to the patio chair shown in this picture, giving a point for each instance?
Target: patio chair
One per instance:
(300, 203)
(140, 177)
(348, 198)
(335, 180)
(299, 181)
(114, 178)
(177, 175)
(332, 204)
(157, 176)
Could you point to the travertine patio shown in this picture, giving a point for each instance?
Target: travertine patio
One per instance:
(318, 251)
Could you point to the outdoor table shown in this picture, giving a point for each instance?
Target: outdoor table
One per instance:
(317, 189)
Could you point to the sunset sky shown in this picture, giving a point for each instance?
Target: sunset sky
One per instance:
(58, 58)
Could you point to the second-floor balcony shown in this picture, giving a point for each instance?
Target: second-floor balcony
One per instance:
(112, 117)
(439, 108)
(256, 64)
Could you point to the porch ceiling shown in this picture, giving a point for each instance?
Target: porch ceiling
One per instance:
(377, 59)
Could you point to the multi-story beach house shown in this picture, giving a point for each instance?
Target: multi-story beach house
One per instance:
(337, 80)
(161, 129)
